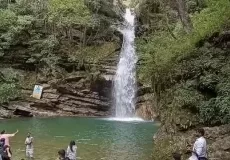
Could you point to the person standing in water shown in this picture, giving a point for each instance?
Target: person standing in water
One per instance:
(2, 143)
(71, 151)
(5, 152)
(29, 146)
(5, 136)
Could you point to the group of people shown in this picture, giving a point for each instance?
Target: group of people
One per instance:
(199, 150)
(5, 151)
(6, 154)
(70, 153)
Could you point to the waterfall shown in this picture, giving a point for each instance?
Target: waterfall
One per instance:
(125, 79)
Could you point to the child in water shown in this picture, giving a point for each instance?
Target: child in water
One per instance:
(61, 155)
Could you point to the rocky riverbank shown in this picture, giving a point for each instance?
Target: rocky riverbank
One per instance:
(197, 100)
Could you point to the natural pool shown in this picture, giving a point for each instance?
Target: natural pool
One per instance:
(97, 138)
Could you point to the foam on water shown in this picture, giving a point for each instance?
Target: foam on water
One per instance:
(135, 119)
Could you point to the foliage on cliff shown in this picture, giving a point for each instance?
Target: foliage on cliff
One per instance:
(8, 85)
(188, 69)
(161, 55)
(54, 37)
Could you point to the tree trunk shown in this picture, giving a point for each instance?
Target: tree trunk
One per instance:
(184, 16)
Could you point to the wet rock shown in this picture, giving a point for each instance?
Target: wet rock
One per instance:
(145, 111)
(21, 111)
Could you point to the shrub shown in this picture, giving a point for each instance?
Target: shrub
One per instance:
(187, 98)
(8, 92)
(216, 111)
(160, 51)
(66, 13)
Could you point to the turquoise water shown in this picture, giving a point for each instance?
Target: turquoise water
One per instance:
(97, 139)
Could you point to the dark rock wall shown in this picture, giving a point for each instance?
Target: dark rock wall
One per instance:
(78, 93)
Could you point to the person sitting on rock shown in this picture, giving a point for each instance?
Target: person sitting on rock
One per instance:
(199, 151)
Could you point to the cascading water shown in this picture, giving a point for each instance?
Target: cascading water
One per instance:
(125, 79)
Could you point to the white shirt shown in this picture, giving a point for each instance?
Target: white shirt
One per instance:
(71, 154)
(200, 147)
(29, 143)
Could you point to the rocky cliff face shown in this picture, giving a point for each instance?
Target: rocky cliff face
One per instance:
(75, 66)
(145, 103)
(76, 72)
(196, 99)
(82, 93)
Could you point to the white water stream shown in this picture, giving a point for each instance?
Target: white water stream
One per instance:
(125, 79)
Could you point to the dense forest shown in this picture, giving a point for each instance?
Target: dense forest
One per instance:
(187, 56)
(184, 55)
(183, 48)
(51, 39)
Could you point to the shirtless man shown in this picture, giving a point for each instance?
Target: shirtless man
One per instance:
(5, 136)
